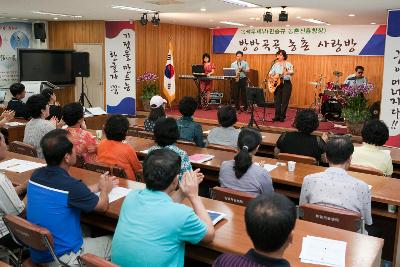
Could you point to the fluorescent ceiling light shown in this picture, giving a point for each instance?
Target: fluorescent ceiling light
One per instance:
(232, 23)
(373, 23)
(240, 3)
(314, 21)
(134, 9)
(203, 9)
(352, 15)
(56, 14)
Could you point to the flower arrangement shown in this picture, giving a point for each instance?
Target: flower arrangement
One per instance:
(355, 104)
(150, 87)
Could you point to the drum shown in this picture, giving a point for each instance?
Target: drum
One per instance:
(331, 109)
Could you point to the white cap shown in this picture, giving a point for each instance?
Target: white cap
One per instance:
(156, 101)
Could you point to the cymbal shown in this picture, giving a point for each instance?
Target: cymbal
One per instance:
(337, 73)
(315, 83)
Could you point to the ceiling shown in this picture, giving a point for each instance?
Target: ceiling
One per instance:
(187, 12)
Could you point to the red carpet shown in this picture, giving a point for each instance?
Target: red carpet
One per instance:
(245, 117)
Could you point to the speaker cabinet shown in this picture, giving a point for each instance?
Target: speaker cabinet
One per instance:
(39, 30)
(80, 64)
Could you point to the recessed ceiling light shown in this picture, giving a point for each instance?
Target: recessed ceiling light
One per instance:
(251, 26)
(328, 24)
(134, 9)
(240, 3)
(252, 18)
(298, 17)
(203, 9)
(55, 18)
(232, 23)
(314, 21)
(373, 23)
(257, 18)
(352, 15)
(56, 14)
(287, 25)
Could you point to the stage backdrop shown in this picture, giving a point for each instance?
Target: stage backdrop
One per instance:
(120, 67)
(304, 40)
(13, 35)
(390, 104)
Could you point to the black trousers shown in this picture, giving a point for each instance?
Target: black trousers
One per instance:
(281, 99)
(239, 92)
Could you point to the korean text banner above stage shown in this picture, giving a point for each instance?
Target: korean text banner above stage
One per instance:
(120, 67)
(390, 102)
(13, 35)
(365, 40)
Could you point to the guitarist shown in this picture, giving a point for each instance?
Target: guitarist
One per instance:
(283, 70)
(240, 83)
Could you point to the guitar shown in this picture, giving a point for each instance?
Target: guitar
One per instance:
(274, 82)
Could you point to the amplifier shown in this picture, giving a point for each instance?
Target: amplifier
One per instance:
(216, 98)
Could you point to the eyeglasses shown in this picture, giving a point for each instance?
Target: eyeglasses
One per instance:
(360, 72)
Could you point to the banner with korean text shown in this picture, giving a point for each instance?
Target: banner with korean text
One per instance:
(390, 102)
(364, 40)
(13, 35)
(120, 67)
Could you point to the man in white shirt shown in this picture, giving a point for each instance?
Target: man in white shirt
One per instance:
(335, 187)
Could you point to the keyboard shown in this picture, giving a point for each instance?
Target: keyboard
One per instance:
(192, 77)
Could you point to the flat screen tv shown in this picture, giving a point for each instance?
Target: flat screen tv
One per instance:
(50, 65)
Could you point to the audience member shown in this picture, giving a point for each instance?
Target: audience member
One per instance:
(38, 126)
(56, 199)
(335, 187)
(9, 199)
(241, 173)
(156, 111)
(270, 220)
(188, 129)
(55, 108)
(18, 93)
(166, 134)
(303, 142)
(85, 144)
(375, 133)
(153, 226)
(114, 151)
(225, 134)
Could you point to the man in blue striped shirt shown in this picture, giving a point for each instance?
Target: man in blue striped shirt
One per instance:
(270, 219)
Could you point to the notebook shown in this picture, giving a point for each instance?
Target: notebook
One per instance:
(216, 216)
(200, 158)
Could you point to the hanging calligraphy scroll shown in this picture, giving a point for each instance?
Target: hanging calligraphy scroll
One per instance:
(307, 40)
(120, 67)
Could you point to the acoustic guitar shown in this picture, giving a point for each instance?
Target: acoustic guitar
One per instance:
(274, 82)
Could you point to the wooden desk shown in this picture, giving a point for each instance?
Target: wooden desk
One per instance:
(15, 133)
(96, 122)
(361, 250)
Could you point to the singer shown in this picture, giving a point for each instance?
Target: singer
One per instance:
(284, 69)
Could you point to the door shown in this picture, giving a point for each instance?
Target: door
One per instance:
(94, 84)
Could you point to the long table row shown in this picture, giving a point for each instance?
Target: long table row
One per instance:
(230, 234)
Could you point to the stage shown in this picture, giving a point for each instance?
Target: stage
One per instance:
(333, 127)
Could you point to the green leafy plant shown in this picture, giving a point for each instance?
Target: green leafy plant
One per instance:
(356, 105)
(150, 87)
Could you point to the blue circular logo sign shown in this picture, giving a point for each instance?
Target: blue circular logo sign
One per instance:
(19, 40)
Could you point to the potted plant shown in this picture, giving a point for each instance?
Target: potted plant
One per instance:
(150, 88)
(355, 111)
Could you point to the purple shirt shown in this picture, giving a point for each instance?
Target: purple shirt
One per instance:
(250, 259)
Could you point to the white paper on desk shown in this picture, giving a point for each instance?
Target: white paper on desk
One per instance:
(117, 193)
(323, 251)
(96, 111)
(369, 187)
(339, 126)
(18, 165)
(206, 132)
(14, 123)
(216, 216)
(269, 167)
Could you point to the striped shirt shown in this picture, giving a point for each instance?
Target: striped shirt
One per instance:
(9, 202)
(250, 259)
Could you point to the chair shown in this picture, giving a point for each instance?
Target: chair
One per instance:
(103, 168)
(223, 148)
(330, 216)
(91, 260)
(22, 148)
(145, 134)
(297, 158)
(231, 196)
(132, 132)
(184, 142)
(30, 235)
(364, 169)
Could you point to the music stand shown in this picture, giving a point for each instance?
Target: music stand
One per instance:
(255, 95)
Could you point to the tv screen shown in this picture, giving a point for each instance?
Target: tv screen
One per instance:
(54, 66)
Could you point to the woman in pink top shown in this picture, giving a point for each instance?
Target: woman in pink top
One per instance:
(85, 144)
(206, 85)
